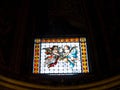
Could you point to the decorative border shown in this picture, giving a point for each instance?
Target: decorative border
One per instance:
(52, 40)
(84, 56)
(36, 59)
(85, 67)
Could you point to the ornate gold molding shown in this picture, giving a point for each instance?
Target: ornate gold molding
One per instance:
(20, 85)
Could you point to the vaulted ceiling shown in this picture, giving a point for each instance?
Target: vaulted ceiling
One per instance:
(21, 21)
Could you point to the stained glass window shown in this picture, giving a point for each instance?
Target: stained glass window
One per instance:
(60, 56)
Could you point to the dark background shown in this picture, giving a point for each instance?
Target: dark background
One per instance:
(22, 20)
